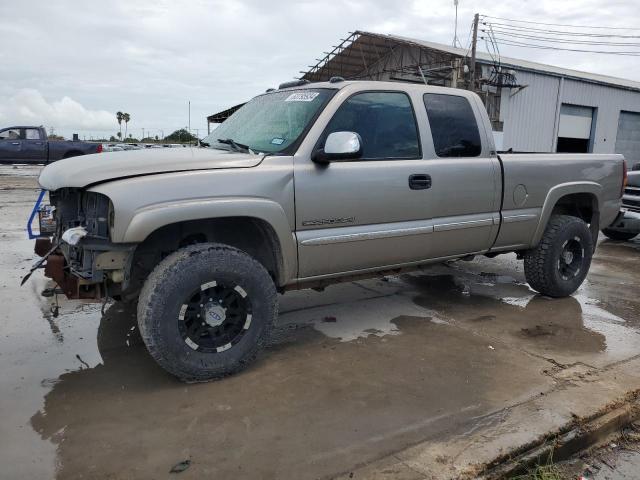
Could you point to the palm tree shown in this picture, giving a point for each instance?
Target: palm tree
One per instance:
(126, 117)
(120, 117)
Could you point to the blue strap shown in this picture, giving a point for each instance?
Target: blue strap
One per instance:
(34, 212)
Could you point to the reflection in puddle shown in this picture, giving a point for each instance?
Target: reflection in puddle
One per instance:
(350, 321)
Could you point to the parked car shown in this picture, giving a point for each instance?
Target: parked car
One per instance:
(111, 147)
(627, 224)
(305, 186)
(30, 145)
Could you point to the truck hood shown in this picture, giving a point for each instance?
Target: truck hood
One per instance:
(101, 167)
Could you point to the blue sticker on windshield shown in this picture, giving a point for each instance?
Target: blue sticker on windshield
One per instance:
(277, 141)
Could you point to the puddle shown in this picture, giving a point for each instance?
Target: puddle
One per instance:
(577, 328)
(349, 321)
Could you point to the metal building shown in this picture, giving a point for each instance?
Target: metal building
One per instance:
(532, 107)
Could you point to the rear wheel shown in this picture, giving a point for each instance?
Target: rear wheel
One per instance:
(558, 265)
(206, 310)
(617, 235)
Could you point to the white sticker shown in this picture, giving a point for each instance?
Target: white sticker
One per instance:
(302, 97)
(277, 141)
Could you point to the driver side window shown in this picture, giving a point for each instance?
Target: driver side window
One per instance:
(385, 122)
(10, 134)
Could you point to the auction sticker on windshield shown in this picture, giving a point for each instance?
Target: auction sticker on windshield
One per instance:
(301, 97)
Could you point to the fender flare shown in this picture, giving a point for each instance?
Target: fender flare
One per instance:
(559, 191)
(150, 218)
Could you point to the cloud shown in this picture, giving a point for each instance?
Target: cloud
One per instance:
(29, 107)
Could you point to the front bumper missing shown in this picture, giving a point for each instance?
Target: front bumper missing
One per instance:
(54, 268)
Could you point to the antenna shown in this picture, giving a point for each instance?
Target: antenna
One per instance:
(455, 28)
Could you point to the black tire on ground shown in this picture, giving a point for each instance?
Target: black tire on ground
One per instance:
(616, 235)
(558, 265)
(206, 310)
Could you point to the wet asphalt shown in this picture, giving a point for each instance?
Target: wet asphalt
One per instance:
(354, 373)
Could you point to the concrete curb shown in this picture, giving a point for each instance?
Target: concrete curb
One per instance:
(581, 410)
(581, 437)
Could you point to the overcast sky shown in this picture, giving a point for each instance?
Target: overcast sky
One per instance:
(73, 64)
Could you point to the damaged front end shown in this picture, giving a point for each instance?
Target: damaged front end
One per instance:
(75, 246)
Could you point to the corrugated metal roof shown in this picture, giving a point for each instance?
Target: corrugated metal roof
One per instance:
(515, 63)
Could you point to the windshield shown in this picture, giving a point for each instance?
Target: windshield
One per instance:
(270, 123)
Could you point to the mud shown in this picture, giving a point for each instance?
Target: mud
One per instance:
(352, 374)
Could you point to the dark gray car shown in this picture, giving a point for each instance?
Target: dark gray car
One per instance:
(30, 145)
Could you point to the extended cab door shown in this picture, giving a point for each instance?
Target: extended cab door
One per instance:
(365, 213)
(10, 145)
(467, 183)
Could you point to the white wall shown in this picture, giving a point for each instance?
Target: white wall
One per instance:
(530, 116)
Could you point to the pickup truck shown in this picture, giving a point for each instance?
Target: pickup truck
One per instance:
(627, 225)
(30, 145)
(307, 185)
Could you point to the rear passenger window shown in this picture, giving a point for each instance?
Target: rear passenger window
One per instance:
(453, 126)
(32, 134)
(385, 122)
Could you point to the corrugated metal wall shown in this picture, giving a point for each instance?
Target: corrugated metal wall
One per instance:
(530, 116)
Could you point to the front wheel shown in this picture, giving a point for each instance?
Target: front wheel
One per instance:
(617, 235)
(206, 310)
(558, 265)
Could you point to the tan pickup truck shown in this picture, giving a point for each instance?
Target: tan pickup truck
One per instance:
(303, 186)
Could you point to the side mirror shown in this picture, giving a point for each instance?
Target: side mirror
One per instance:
(339, 146)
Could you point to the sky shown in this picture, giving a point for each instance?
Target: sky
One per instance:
(71, 64)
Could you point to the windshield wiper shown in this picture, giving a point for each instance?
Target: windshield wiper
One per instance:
(238, 147)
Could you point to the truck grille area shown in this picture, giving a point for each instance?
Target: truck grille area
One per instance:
(631, 198)
(75, 208)
(78, 208)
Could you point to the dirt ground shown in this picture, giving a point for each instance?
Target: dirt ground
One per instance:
(355, 374)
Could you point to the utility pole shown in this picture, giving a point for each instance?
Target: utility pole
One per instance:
(455, 31)
(189, 127)
(476, 19)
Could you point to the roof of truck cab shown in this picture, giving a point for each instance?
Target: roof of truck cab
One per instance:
(379, 85)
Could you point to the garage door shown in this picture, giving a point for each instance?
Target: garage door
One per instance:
(628, 138)
(574, 131)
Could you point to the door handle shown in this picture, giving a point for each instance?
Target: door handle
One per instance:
(15, 143)
(419, 181)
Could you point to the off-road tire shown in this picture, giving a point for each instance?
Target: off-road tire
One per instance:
(177, 277)
(617, 235)
(542, 264)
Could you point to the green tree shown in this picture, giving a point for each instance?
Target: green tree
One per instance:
(126, 117)
(181, 136)
(119, 134)
(120, 117)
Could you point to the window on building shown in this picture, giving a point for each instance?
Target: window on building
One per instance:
(453, 126)
(385, 122)
(32, 134)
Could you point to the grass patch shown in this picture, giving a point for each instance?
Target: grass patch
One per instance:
(542, 472)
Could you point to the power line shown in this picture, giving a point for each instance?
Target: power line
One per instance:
(561, 24)
(520, 28)
(517, 43)
(562, 40)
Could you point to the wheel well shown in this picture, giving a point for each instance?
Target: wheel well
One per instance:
(254, 236)
(73, 153)
(581, 205)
